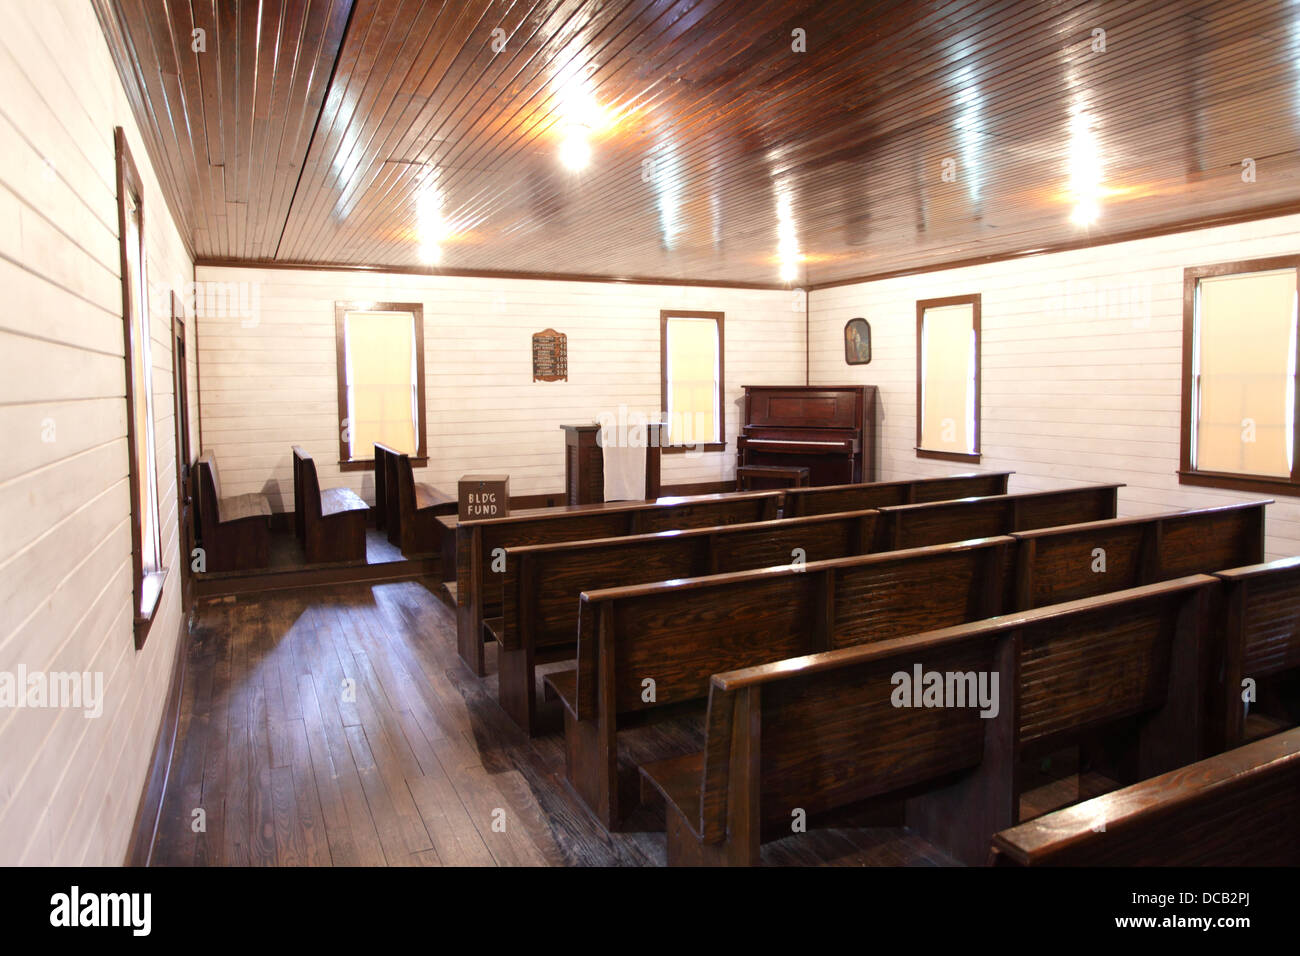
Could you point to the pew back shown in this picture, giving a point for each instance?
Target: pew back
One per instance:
(1074, 561)
(826, 730)
(832, 498)
(833, 728)
(915, 526)
(543, 582)
(306, 491)
(634, 633)
(1261, 619)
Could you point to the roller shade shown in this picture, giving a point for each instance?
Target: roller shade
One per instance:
(692, 377)
(381, 381)
(948, 379)
(1245, 349)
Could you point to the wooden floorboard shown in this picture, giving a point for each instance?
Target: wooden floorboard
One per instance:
(339, 727)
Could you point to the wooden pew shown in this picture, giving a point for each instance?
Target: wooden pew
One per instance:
(331, 524)
(237, 530)
(412, 508)
(1240, 808)
(673, 616)
(826, 730)
(481, 543)
(914, 526)
(542, 583)
(680, 633)
(827, 499)
(1261, 621)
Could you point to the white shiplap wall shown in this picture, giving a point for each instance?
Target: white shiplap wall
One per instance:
(69, 785)
(269, 370)
(1081, 364)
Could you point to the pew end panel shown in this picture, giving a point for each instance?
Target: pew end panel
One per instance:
(332, 521)
(236, 531)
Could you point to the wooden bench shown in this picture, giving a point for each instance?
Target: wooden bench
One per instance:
(481, 543)
(827, 730)
(714, 610)
(331, 524)
(236, 530)
(411, 508)
(771, 476)
(680, 633)
(542, 583)
(1261, 620)
(1240, 808)
(827, 499)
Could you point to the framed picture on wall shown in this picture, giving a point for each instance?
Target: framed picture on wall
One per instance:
(857, 342)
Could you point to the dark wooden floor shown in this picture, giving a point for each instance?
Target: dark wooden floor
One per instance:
(413, 764)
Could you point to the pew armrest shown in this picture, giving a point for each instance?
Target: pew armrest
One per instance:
(428, 497)
(335, 501)
(679, 780)
(252, 505)
(565, 685)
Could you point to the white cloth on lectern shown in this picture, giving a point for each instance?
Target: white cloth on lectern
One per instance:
(624, 472)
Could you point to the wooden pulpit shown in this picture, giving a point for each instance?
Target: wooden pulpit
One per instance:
(584, 464)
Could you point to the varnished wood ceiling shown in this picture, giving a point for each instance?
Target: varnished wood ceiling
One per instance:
(908, 134)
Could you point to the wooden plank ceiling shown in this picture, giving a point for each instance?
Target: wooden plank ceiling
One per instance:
(415, 133)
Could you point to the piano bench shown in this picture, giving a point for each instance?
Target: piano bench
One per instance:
(771, 476)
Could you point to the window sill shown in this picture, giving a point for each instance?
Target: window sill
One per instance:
(948, 455)
(1259, 485)
(151, 592)
(683, 449)
(368, 464)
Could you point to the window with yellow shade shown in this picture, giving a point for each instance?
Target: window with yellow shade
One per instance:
(948, 378)
(691, 349)
(381, 379)
(1239, 375)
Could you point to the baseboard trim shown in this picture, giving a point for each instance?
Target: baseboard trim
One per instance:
(149, 810)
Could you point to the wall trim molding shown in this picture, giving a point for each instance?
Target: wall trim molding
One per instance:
(222, 263)
(139, 850)
(1133, 235)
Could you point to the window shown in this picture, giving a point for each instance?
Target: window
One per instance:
(380, 380)
(1239, 376)
(148, 573)
(948, 378)
(690, 357)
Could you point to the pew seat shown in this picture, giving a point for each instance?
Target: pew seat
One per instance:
(330, 523)
(236, 530)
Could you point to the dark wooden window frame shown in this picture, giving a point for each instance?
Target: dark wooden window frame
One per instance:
(421, 457)
(146, 586)
(664, 316)
(1187, 474)
(921, 306)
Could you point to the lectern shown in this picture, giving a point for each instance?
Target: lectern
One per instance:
(584, 464)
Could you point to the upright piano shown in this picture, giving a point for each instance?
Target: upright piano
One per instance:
(829, 429)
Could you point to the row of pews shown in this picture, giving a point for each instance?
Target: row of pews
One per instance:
(793, 622)
(330, 523)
